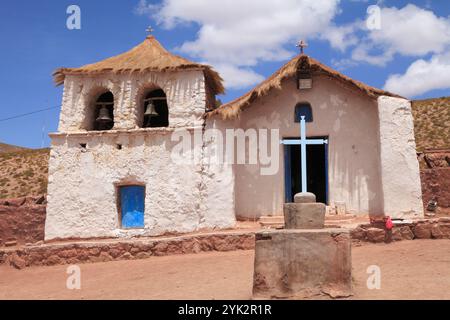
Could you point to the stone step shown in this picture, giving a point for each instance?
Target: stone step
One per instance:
(340, 217)
(330, 220)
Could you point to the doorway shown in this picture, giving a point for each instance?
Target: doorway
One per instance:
(317, 170)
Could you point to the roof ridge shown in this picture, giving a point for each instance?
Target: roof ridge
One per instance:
(288, 69)
(149, 55)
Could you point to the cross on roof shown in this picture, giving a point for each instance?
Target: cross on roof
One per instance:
(302, 44)
(149, 30)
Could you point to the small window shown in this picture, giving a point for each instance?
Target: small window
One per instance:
(131, 203)
(303, 109)
(104, 112)
(156, 112)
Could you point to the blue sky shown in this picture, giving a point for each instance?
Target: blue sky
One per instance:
(242, 41)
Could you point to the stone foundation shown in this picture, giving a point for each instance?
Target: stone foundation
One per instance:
(89, 251)
(420, 229)
(22, 220)
(302, 264)
(103, 251)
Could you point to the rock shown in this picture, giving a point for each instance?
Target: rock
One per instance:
(406, 233)
(375, 235)
(94, 251)
(444, 229)
(68, 253)
(305, 197)
(436, 232)
(18, 202)
(53, 260)
(160, 249)
(115, 253)
(41, 200)
(18, 262)
(422, 231)
(220, 244)
(135, 250)
(11, 243)
(358, 233)
(143, 255)
(126, 256)
(103, 257)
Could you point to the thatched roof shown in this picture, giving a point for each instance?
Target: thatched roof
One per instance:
(147, 56)
(233, 108)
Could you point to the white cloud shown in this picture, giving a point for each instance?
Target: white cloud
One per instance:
(238, 77)
(235, 35)
(422, 76)
(409, 31)
(144, 8)
(342, 37)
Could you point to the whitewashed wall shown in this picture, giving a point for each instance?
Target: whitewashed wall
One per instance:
(350, 120)
(400, 173)
(185, 98)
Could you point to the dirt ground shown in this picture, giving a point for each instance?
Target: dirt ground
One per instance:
(418, 269)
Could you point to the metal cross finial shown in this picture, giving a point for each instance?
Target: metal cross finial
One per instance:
(149, 30)
(302, 44)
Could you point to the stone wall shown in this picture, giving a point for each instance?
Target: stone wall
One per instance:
(22, 220)
(435, 176)
(103, 251)
(113, 250)
(420, 229)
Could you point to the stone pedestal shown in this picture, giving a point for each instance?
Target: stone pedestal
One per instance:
(304, 213)
(304, 260)
(302, 264)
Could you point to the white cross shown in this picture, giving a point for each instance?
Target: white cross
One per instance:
(303, 142)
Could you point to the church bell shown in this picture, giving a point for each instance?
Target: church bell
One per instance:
(103, 116)
(151, 111)
(150, 114)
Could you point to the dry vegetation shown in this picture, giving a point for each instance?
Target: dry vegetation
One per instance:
(432, 123)
(23, 172)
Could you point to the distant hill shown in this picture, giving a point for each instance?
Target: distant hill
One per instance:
(10, 148)
(23, 172)
(432, 123)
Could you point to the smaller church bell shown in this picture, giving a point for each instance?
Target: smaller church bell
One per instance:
(103, 116)
(150, 114)
(151, 111)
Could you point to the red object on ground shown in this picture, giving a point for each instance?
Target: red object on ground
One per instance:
(389, 224)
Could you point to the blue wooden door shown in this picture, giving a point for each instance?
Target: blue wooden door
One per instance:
(132, 206)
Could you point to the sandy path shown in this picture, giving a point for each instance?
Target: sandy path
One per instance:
(417, 269)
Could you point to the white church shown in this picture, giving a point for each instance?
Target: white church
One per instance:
(112, 173)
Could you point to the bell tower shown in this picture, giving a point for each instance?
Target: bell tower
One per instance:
(114, 143)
